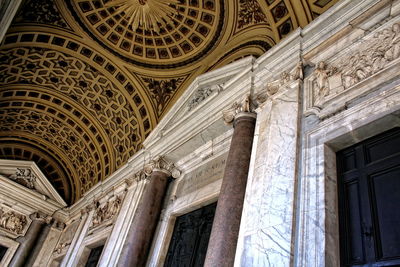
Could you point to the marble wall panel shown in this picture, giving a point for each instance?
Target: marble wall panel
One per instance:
(318, 230)
(266, 228)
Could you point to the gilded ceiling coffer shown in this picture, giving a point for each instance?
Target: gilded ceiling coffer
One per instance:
(225, 230)
(140, 234)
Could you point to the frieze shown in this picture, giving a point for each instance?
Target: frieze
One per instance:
(13, 222)
(332, 83)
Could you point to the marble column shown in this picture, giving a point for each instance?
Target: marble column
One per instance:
(225, 230)
(29, 242)
(140, 233)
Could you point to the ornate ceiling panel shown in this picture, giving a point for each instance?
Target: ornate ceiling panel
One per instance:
(83, 82)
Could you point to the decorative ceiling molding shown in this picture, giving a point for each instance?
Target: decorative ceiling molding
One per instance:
(84, 82)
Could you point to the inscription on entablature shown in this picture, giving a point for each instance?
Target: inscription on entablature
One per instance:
(202, 176)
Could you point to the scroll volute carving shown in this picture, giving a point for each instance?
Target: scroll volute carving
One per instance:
(245, 105)
(162, 164)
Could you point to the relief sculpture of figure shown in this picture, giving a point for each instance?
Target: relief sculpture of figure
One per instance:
(394, 51)
(322, 73)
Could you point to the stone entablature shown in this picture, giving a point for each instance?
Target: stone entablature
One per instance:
(340, 78)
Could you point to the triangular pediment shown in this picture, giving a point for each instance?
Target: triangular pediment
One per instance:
(27, 175)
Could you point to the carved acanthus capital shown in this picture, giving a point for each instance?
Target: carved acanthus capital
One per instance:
(161, 164)
(246, 105)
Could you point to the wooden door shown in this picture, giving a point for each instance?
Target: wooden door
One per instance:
(369, 201)
(188, 246)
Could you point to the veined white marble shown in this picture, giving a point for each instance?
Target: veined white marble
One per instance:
(290, 210)
(267, 221)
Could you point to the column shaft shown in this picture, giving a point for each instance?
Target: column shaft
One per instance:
(225, 230)
(28, 243)
(140, 234)
(38, 245)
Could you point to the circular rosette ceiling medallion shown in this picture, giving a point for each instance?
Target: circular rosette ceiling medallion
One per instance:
(153, 33)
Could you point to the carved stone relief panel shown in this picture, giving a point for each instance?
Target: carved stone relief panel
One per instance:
(13, 223)
(24, 177)
(107, 211)
(370, 61)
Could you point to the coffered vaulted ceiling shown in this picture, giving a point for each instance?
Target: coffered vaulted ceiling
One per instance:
(83, 82)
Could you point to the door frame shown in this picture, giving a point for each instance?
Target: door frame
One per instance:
(317, 234)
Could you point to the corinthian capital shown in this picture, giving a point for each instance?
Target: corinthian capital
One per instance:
(244, 106)
(161, 164)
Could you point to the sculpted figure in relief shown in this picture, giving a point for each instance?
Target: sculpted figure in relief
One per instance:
(322, 73)
(394, 51)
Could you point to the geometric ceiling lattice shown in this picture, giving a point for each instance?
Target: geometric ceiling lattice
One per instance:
(84, 82)
(188, 35)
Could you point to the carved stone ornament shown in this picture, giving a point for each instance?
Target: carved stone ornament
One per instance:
(162, 164)
(24, 177)
(106, 211)
(245, 105)
(201, 94)
(140, 175)
(273, 87)
(12, 222)
(58, 225)
(333, 82)
(59, 248)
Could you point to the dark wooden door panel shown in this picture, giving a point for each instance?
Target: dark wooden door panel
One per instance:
(94, 256)
(189, 242)
(3, 251)
(369, 201)
(385, 195)
(355, 253)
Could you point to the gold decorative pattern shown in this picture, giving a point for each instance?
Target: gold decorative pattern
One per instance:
(84, 82)
(187, 33)
(148, 14)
